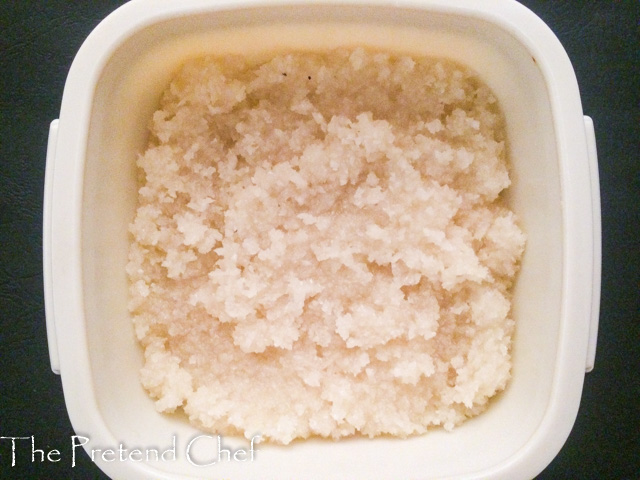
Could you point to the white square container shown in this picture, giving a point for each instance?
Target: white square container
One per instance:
(90, 195)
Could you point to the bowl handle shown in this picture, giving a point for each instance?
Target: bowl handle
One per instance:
(52, 340)
(597, 243)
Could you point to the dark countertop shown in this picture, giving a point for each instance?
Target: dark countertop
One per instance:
(38, 41)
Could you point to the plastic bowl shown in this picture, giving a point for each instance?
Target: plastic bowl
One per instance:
(111, 91)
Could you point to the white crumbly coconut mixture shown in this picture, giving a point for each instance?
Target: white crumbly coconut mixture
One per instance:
(320, 247)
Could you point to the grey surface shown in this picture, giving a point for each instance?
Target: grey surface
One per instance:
(38, 41)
